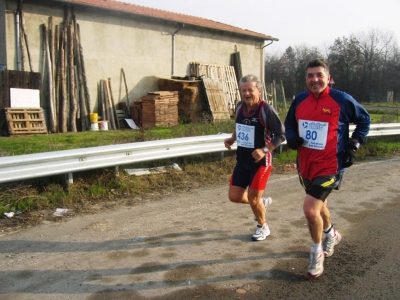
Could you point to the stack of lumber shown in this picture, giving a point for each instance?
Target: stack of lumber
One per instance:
(157, 109)
(192, 104)
(136, 112)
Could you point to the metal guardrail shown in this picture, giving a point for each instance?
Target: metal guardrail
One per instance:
(20, 167)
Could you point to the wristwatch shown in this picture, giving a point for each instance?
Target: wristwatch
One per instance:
(265, 149)
(355, 145)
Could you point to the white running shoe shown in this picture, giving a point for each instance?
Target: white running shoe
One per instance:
(316, 266)
(267, 201)
(329, 243)
(261, 233)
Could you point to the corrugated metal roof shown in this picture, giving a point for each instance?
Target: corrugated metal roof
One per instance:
(166, 15)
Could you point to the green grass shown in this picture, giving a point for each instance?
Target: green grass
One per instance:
(383, 104)
(385, 116)
(384, 113)
(19, 145)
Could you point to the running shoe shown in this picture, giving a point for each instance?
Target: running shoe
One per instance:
(261, 233)
(329, 243)
(267, 201)
(316, 266)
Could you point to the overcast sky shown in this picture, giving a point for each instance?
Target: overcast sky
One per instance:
(293, 22)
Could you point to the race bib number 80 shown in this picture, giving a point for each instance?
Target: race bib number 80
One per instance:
(314, 133)
(245, 135)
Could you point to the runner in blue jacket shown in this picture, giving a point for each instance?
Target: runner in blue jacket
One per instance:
(317, 126)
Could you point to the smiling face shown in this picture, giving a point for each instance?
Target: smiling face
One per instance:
(250, 93)
(317, 79)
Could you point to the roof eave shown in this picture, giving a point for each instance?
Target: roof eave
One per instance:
(249, 34)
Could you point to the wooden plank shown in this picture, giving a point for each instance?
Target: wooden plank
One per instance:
(215, 95)
(163, 93)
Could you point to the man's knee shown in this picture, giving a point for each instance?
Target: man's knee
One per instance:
(236, 194)
(312, 208)
(311, 213)
(235, 198)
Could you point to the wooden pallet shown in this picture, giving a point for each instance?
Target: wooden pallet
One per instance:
(221, 88)
(22, 121)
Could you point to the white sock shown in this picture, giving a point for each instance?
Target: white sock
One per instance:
(316, 248)
(330, 232)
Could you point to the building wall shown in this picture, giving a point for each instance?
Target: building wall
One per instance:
(141, 46)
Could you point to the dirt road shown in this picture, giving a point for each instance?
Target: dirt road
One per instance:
(198, 246)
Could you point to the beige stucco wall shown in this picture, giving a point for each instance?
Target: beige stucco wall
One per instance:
(141, 46)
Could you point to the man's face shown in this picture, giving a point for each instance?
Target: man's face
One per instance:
(317, 80)
(249, 92)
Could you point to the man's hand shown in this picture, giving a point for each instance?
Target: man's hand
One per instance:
(258, 154)
(295, 143)
(228, 142)
(350, 156)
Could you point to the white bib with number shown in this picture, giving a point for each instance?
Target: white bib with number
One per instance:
(314, 133)
(245, 135)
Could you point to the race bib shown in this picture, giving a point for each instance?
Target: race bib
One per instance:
(245, 135)
(314, 133)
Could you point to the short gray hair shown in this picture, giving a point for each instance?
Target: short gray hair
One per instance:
(251, 78)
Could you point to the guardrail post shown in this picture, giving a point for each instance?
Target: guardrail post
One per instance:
(117, 171)
(69, 178)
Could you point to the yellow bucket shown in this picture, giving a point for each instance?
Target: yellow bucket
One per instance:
(94, 118)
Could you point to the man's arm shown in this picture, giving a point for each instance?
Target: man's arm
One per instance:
(275, 125)
(291, 122)
(229, 141)
(353, 112)
(294, 141)
(362, 121)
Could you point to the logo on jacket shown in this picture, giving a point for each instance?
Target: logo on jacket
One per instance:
(326, 111)
(246, 122)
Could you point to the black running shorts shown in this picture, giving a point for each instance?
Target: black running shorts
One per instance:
(321, 187)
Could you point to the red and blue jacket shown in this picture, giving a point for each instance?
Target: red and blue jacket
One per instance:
(332, 109)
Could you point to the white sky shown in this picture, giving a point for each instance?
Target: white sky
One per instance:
(293, 22)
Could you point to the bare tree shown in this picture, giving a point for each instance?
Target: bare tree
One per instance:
(365, 65)
(345, 58)
(376, 48)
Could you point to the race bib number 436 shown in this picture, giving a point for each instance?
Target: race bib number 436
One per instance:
(245, 135)
(314, 134)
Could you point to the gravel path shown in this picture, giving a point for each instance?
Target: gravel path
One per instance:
(198, 246)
